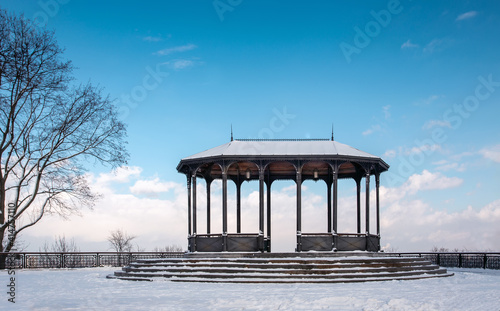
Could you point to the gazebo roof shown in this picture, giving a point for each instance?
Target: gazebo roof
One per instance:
(291, 150)
(284, 148)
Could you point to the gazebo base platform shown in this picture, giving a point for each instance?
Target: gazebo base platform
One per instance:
(248, 242)
(305, 267)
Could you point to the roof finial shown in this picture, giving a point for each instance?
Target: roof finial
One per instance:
(332, 133)
(231, 132)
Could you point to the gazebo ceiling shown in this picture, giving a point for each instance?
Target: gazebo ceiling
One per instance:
(281, 158)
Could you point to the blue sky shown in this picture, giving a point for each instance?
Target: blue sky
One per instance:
(415, 82)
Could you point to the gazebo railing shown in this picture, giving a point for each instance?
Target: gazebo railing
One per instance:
(29, 260)
(316, 241)
(36, 260)
(339, 242)
(485, 260)
(231, 242)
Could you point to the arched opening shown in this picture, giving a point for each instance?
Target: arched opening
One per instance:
(243, 211)
(316, 201)
(283, 218)
(281, 206)
(351, 198)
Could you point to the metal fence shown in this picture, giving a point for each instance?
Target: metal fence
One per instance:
(112, 259)
(79, 260)
(459, 260)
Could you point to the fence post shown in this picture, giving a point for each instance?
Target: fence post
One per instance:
(438, 260)
(485, 260)
(460, 260)
(97, 260)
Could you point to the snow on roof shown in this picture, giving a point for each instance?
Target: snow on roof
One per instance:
(263, 148)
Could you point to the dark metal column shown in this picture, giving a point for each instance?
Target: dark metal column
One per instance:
(261, 208)
(329, 204)
(238, 207)
(367, 195)
(224, 209)
(335, 201)
(194, 204)
(209, 183)
(299, 211)
(358, 203)
(189, 202)
(269, 215)
(377, 185)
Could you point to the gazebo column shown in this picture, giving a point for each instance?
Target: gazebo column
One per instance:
(299, 210)
(209, 183)
(367, 197)
(261, 208)
(377, 185)
(189, 202)
(224, 210)
(358, 203)
(335, 201)
(269, 215)
(194, 205)
(329, 204)
(238, 207)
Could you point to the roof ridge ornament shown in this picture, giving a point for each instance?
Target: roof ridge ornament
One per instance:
(231, 132)
(332, 133)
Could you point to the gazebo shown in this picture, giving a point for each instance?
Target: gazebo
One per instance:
(267, 161)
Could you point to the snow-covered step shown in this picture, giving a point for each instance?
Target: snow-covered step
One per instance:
(334, 269)
(302, 280)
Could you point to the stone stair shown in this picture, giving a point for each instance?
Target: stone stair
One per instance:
(281, 270)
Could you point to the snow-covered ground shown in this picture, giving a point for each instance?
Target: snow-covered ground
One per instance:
(88, 289)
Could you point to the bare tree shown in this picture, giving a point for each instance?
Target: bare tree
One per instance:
(120, 241)
(168, 249)
(60, 245)
(50, 130)
(436, 249)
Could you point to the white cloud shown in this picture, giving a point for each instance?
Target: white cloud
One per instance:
(491, 153)
(409, 45)
(416, 226)
(408, 222)
(390, 154)
(176, 49)
(430, 181)
(120, 175)
(467, 15)
(423, 148)
(152, 39)
(387, 113)
(374, 128)
(405, 151)
(460, 156)
(435, 45)
(152, 187)
(436, 123)
(448, 166)
(179, 64)
(429, 100)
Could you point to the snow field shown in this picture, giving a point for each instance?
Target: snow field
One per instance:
(88, 289)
